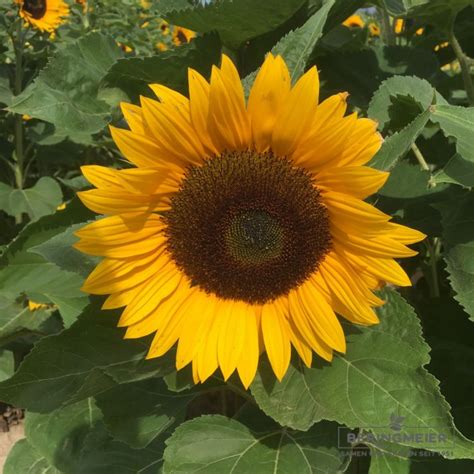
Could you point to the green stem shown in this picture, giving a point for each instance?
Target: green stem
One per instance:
(387, 29)
(464, 62)
(19, 131)
(419, 156)
(433, 250)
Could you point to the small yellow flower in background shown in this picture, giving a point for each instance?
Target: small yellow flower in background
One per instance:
(61, 207)
(419, 31)
(243, 228)
(146, 4)
(354, 21)
(374, 29)
(182, 35)
(124, 47)
(441, 46)
(398, 26)
(161, 46)
(26, 117)
(46, 15)
(145, 25)
(84, 5)
(33, 306)
(164, 27)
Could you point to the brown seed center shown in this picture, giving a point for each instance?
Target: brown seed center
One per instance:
(247, 226)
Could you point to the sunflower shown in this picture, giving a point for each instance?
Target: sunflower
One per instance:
(242, 228)
(354, 21)
(46, 15)
(182, 35)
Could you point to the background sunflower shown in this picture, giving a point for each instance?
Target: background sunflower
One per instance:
(46, 15)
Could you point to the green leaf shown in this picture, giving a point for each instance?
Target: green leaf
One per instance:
(170, 68)
(87, 359)
(5, 91)
(214, 444)
(236, 21)
(297, 46)
(38, 201)
(381, 376)
(458, 236)
(385, 459)
(443, 10)
(418, 92)
(59, 250)
(458, 122)
(74, 439)
(7, 364)
(151, 410)
(16, 318)
(59, 435)
(396, 146)
(65, 92)
(23, 458)
(25, 272)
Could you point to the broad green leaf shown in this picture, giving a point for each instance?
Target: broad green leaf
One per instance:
(170, 68)
(5, 91)
(7, 364)
(409, 195)
(458, 238)
(16, 318)
(74, 440)
(236, 21)
(59, 435)
(65, 92)
(25, 272)
(396, 146)
(23, 458)
(297, 46)
(418, 95)
(458, 123)
(381, 376)
(84, 360)
(215, 444)
(361, 72)
(38, 201)
(150, 410)
(440, 11)
(59, 250)
(384, 459)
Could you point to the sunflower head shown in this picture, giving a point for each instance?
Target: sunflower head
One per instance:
(45, 15)
(242, 227)
(354, 21)
(182, 35)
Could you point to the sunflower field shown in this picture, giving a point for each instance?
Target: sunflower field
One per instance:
(237, 236)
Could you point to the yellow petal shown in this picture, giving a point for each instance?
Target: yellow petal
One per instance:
(248, 361)
(228, 122)
(321, 316)
(276, 337)
(268, 94)
(296, 115)
(133, 116)
(199, 90)
(357, 181)
(231, 335)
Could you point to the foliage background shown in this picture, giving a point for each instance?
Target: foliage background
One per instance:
(93, 403)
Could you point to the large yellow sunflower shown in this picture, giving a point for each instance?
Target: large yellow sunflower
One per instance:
(46, 15)
(243, 227)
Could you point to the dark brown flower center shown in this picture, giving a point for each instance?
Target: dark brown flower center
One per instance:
(36, 8)
(247, 226)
